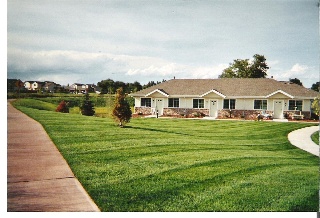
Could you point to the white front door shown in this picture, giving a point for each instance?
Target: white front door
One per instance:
(159, 106)
(278, 109)
(213, 108)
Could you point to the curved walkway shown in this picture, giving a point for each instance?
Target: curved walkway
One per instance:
(38, 177)
(301, 138)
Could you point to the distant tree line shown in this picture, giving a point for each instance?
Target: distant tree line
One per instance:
(109, 86)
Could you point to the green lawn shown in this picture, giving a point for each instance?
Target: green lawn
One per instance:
(315, 137)
(185, 165)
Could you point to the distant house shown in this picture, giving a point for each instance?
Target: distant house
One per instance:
(225, 98)
(49, 86)
(77, 88)
(14, 85)
(33, 85)
(28, 85)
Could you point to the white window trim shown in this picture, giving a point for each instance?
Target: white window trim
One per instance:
(173, 106)
(198, 103)
(260, 100)
(295, 104)
(141, 102)
(235, 101)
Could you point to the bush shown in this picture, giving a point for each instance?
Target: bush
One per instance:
(121, 111)
(62, 107)
(87, 108)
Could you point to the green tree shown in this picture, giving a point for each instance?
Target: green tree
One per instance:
(315, 86)
(87, 107)
(296, 81)
(245, 69)
(316, 105)
(121, 111)
(107, 86)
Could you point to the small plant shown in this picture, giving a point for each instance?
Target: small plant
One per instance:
(121, 111)
(87, 108)
(63, 107)
(196, 114)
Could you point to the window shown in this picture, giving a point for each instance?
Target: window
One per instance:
(198, 103)
(145, 102)
(260, 104)
(229, 104)
(295, 105)
(173, 102)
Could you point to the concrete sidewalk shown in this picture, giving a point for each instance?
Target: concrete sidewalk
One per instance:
(301, 138)
(38, 177)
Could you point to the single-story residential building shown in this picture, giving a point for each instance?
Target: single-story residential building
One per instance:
(225, 98)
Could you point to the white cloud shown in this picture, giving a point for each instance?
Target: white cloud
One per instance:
(305, 73)
(64, 66)
(180, 71)
(297, 68)
(208, 72)
(156, 69)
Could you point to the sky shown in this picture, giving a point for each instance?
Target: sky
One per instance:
(86, 41)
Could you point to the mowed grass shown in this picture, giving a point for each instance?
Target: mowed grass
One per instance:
(315, 137)
(185, 165)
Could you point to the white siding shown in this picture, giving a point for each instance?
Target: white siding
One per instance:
(137, 102)
(306, 105)
(241, 104)
(244, 104)
(188, 102)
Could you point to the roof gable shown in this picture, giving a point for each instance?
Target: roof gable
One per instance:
(279, 92)
(157, 91)
(215, 92)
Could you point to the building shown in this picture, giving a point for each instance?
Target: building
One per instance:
(225, 98)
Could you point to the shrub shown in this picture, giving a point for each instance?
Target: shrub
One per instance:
(121, 111)
(87, 108)
(63, 107)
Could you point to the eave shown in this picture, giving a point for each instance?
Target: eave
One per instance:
(159, 91)
(281, 92)
(215, 92)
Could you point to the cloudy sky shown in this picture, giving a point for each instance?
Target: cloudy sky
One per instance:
(86, 41)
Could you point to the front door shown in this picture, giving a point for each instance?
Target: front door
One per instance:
(213, 108)
(159, 106)
(278, 109)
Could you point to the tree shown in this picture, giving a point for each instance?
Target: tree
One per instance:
(149, 84)
(246, 69)
(315, 86)
(107, 86)
(296, 81)
(86, 107)
(63, 107)
(316, 106)
(19, 84)
(121, 111)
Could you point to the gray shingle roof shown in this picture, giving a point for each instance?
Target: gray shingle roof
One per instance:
(228, 87)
